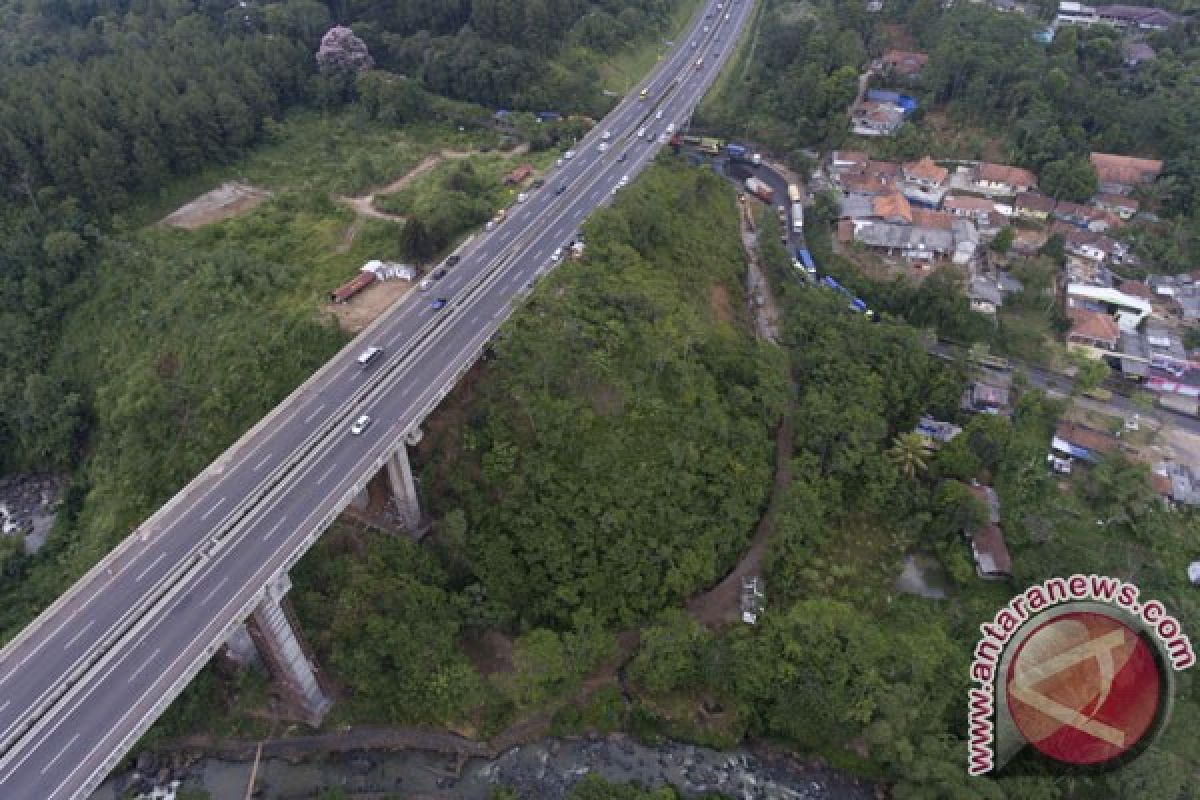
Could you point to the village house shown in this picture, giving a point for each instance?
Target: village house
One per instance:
(936, 432)
(1141, 18)
(1073, 442)
(1003, 179)
(1031, 205)
(874, 118)
(1088, 244)
(1121, 205)
(984, 295)
(1120, 174)
(1089, 217)
(924, 182)
(990, 392)
(992, 561)
(1029, 243)
(1138, 53)
(842, 162)
(903, 63)
(1092, 333)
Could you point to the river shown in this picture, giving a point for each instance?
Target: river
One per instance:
(544, 770)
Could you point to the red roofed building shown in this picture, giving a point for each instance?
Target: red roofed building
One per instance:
(892, 208)
(1119, 174)
(925, 173)
(992, 561)
(518, 175)
(352, 287)
(939, 220)
(904, 62)
(1005, 179)
(1091, 329)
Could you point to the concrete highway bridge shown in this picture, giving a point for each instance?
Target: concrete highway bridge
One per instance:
(83, 682)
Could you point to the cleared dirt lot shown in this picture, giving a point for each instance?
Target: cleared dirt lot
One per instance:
(362, 309)
(228, 200)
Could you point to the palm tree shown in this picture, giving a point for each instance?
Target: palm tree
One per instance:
(908, 454)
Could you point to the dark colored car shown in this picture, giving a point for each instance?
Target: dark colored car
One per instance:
(539, 183)
(452, 260)
(439, 274)
(439, 304)
(560, 190)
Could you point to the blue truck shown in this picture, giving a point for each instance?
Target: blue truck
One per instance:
(806, 259)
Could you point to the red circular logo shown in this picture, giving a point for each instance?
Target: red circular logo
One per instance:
(1084, 688)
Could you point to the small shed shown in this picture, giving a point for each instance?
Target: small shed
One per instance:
(347, 290)
(518, 175)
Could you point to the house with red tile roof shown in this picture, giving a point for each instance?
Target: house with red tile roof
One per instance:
(1093, 331)
(908, 63)
(1004, 179)
(1119, 174)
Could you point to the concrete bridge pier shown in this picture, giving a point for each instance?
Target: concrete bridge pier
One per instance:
(404, 489)
(280, 648)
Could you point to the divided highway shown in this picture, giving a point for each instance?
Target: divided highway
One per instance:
(88, 677)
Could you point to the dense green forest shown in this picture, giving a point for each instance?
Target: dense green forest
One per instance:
(104, 104)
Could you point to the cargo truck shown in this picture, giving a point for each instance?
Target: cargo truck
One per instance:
(760, 190)
(806, 259)
(794, 193)
(797, 218)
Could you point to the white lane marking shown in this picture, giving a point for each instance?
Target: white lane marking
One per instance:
(210, 511)
(79, 633)
(276, 527)
(145, 664)
(7, 703)
(146, 571)
(325, 474)
(507, 233)
(260, 464)
(314, 413)
(66, 747)
(213, 591)
(407, 390)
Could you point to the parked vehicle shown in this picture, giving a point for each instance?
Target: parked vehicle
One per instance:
(569, 155)
(760, 189)
(1180, 404)
(645, 93)
(425, 285)
(522, 197)
(797, 218)
(794, 193)
(439, 274)
(438, 304)
(360, 425)
(453, 260)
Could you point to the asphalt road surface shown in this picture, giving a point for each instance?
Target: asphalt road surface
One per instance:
(80, 685)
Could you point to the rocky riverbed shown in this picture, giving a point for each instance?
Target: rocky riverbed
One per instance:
(545, 770)
(28, 504)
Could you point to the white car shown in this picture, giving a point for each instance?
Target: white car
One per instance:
(360, 425)
(559, 163)
(427, 284)
(606, 135)
(641, 132)
(624, 181)
(658, 114)
(556, 255)
(522, 197)
(603, 147)
(726, 15)
(670, 127)
(706, 29)
(569, 155)
(695, 45)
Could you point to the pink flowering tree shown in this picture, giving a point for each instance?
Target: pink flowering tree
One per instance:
(342, 51)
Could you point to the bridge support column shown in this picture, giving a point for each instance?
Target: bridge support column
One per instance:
(404, 489)
(362, 500)
(286, 660)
